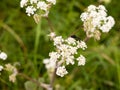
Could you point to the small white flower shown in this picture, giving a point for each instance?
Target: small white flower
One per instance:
(105, 28)
(12, 77)
(71, 41)
(108, 25)
(42, 5)
(33, 1)
(111, 21)
(52, 35)
(46, 61)
(84, 16)
(3, 56)
(70, 60)
(23, 3)
(58, 40)
(1, 68)
(54, 56)
(64, 50)
(49, 64)
(102, 13)
(101, 7)
(12, 69)
(81, 60)
(30, 10)
(91, 8)
(51, 1)
(72, 50)
(93, 14)
(61, 71)
(9, 67)
(82, 45)
(95, 22)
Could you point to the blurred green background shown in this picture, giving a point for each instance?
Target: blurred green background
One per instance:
(17, 38)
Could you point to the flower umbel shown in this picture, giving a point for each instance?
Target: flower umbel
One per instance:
(95, 20)
(30, 10)
(13, 70)
(65, 54)
(39, 7)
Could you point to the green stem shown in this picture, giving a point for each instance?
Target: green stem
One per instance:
(16, 36)
(37, 38)
(117, 66)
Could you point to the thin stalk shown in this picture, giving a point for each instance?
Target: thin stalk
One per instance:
(16, 36)
(50, 24)
(118, 67)
(86, 39)
(52, 79)
(39, 84)
(37, 38)
(75, 31)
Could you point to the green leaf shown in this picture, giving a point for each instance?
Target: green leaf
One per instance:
(30, 86)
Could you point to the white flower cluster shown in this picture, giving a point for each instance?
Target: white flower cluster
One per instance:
(3, 56)
(12, 69)
(65, 54)
(96, 19)
(37, 6)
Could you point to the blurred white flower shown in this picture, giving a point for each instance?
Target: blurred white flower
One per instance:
(70, 60)
(54, 56)
(84, 16)
(81, 60)
(3, 56)
(50, 65)
(33, 1)
(42, 5)
(61, 71)
(52, 35)
(101, 7)
(1, 68)
(70, 40)
(13, 70)
(58, 40)
(12, 77)
(107, 26)
(30, 10)
(91, 8)
(81, 44)
(23, 3)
